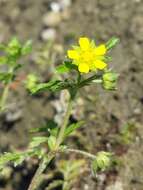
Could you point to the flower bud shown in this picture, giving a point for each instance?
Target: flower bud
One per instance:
(102, 161)
(31, 81)
(109, 80)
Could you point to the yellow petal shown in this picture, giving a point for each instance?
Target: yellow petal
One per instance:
(100, 64)
(73, 54)
(100, 50)
(83, 68)
(84, 43)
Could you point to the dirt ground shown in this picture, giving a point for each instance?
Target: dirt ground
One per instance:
(106, 112)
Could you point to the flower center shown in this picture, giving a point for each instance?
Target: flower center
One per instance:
(87, 56)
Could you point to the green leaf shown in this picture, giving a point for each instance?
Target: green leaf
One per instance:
(53, 85)
(16, 158)
(71, 170)
(3, 60)
(50, 127)
(52, 142)
(94, 166)
(67, 66)
(27, 48)
(6, 77)
(36, 141)
(43, 86)
(112, 42)
(6, 157)
(62, 69)
(14, 47)
(107, 58)
(70, 129)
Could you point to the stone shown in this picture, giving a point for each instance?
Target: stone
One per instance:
(48, 34)
(52, 19)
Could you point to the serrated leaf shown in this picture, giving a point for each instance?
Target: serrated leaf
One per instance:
(16, 158)
(54, 85)
(27, 48)
(112, 42)
(62, 69)
(67, 66)
(44, 86)
(70, 129)
(50, 127)
(36, 141)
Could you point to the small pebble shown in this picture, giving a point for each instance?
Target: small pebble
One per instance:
(52, 19)
(55, 7)
(48, 34)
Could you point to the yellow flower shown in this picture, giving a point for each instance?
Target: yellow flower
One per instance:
(87, 56)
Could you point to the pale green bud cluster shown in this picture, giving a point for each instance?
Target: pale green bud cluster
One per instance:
(102, 161)
(109, 80)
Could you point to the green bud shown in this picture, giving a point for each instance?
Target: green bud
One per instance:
(102, 161)
(14, 47)
(31, 81)
(109, 80)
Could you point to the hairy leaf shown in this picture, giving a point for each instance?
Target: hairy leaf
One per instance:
(27, 48)
(111, 43)
(50, 127)
(52, 142)
(53, 85)
(16, 158)
(70, 129)
(67, 66)
(36, 141)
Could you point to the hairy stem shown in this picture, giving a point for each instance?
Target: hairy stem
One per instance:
(64, 124)
(86, 154)
(42, 166)
(88, 80)
(4, 98)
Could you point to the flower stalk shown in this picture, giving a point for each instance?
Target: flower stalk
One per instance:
(64, 124)
(44, 162)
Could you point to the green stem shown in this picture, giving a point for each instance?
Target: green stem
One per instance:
(5, 92)
(4, 98)
(86, 154)
(64, 124)
(43, 164)
(88, 80)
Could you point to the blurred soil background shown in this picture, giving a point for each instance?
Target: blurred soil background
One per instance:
(113, 119)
